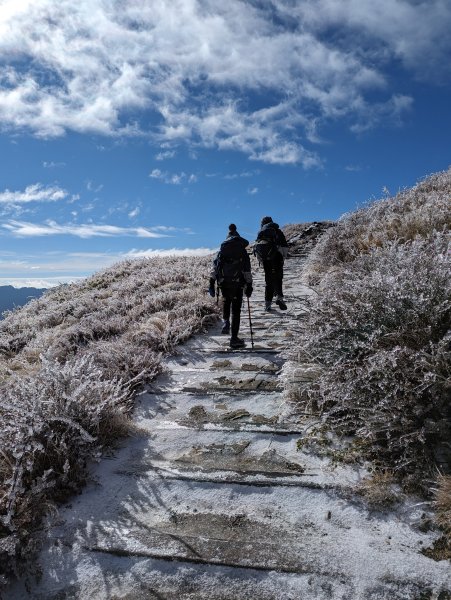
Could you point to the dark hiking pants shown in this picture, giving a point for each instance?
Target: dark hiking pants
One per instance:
(233, 299)
(273, 277)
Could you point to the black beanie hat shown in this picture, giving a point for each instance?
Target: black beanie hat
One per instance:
(266, 220)
(232, 228)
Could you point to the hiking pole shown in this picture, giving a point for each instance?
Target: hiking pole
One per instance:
(250, 321)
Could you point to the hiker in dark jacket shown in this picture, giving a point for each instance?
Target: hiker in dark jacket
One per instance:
(232, 273)
(271, 249)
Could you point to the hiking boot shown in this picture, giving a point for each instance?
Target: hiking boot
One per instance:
(268, 305)
(281, 304)
(226, 327)
(237, 343)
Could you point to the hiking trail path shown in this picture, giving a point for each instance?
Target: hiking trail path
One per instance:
(211, 500)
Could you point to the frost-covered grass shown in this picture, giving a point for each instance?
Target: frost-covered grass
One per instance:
(378, 329)
(69, 363)
(413, 213)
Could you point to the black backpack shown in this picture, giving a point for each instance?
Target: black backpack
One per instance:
(230, 263)
(265, 248)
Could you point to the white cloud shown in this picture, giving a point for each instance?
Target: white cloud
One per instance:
(52, 164)
(172, 229)
(252, 191)
(87, 230)
(389, 28)
(91, 187)
(165, 155)
(172, 178)
(47, 282)
(176, 179)
(56, 266)
(239, 175)
(260, 135)
(171, 252)
(85, 66)
(33, 193)
(60, 267)
(134, 213)
(394, 111)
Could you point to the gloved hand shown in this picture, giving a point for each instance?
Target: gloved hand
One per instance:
(248, 290)
(211, 289)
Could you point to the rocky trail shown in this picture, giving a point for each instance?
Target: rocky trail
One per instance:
(210, 499)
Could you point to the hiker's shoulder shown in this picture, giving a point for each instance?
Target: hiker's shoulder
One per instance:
(234, 246)
(268, 230)
(280, 234)
(237, 241)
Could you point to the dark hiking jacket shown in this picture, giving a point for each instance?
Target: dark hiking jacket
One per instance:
(271, 233)
(233, 248)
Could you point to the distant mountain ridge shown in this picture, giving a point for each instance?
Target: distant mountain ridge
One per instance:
(11, 297)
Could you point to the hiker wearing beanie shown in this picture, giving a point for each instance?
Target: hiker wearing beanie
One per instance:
(271, 249)
(232, 273)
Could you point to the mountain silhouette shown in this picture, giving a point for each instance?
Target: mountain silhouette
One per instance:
(11, 297)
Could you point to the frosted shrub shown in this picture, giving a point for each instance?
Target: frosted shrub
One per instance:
(68, 364)
(415, 212)
(115, 356)
(379, 329)
(51, 424)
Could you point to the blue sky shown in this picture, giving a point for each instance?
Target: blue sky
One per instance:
(133, 128)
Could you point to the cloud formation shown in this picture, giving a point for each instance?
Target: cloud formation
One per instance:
(170, 252)
(33, 193)
(49, 269)
(172, 178)
(51, 164)
(47, 282)
(165, 154)
(87, 230)
(134, 213)
(258, 78)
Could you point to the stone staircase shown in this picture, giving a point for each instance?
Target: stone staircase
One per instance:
(210, 498)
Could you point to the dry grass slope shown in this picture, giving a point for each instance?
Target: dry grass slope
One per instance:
(69, 363)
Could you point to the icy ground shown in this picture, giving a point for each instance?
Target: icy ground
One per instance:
(210, 500)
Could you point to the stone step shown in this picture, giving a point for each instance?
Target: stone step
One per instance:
(223, 408)
(211, 454)
(224, 349)
(108, 576)
(218, 539)
(246, 427)
(206, 382)
(218, 342)
(262, 346)
(227, 477)
(174, 526)
(256, 364)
